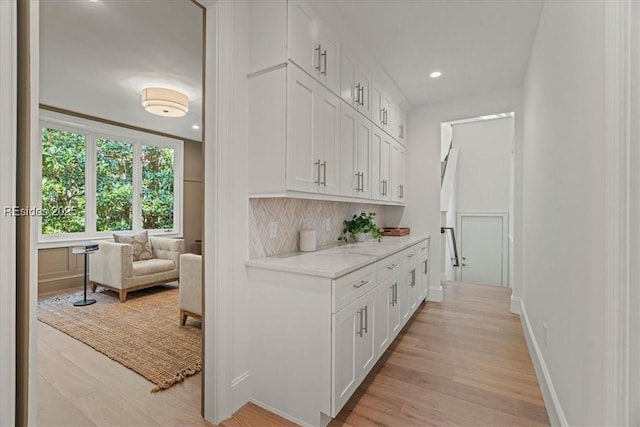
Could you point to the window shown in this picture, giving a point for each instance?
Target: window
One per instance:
(97, 178)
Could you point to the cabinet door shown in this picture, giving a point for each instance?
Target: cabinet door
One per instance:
(363, 78)
(377, 97)
(397, 171)
(406, 293)
(386, 112)
(365, 343)
(327, 133)
(346, 333)
(395, 316)
(402, 128)
(329, 66)
(348, 70)
(385, 294)
(363, 157)
(414, 290)
(302, 37)
(348, 135)
(424, 268)
(394, 120)
(303, 169)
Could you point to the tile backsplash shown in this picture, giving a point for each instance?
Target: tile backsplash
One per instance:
(292, 215)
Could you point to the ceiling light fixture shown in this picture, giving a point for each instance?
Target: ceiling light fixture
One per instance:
(435, 74)
(165, 102)
(196, 127)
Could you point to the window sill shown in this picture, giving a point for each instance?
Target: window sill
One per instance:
(70, 242)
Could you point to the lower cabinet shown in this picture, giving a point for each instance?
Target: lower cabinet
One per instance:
(353, 348)
(315, 339)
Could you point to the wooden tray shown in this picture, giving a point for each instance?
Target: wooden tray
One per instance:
(392, 231)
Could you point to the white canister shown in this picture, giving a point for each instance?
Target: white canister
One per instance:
(307, 240)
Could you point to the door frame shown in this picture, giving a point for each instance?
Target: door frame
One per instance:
(8, 124)
(218, 174)
(505, 240)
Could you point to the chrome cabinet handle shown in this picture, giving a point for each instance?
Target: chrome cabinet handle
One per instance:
(411, 255)
(318, 165)
(324, 169)
(318, 49)
(384, 187)
(366, 319)
(361, 97)
(382, 116)
(392, 266)
(359, 332)
(324, 56)
(357, 97)
(426, 266)
(413, 278)
(362, 283)
(395, 293)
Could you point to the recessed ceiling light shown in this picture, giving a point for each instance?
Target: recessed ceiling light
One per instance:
(196, 127)
(93, 1)
(435, 74)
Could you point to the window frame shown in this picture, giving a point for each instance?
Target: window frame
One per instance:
(93, 130)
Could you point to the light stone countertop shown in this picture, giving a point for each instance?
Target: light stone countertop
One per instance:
(336, 261)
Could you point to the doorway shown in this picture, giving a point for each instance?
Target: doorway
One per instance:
(477, 197)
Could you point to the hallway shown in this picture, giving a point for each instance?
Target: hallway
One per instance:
(460, 362)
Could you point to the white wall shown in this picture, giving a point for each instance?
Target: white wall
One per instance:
(483, 164)
(422, 213)
(563, 205)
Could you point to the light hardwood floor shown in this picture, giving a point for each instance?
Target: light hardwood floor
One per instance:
(460, 362)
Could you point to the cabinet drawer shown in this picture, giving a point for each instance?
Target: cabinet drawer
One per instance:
(410, 255)
(389, 265)
(347, 289)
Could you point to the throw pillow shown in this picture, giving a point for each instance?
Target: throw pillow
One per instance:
(140, 242)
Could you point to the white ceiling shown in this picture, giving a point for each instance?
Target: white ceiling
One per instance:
(478, 45)
(96, 57)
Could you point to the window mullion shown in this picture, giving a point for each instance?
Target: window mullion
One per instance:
(90, 185)
(137, 186)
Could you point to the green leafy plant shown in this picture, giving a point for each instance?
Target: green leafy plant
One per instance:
(361, 224)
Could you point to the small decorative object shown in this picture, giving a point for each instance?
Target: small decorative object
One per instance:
(359, 225)
(307, 240)
(395, 231)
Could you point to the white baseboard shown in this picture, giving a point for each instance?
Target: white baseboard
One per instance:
(240, 391)
(435, 294)
(280, 413)
(554, 409)
(516, 305)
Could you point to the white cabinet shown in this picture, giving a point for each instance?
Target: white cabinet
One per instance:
(354, 350)
(313, 142)
(402, 128)
(355, 83)
(380, 165)
(314, 336)
(423, 253)
(398, 172)
(380, 107)
(355, 144)
(312, 46)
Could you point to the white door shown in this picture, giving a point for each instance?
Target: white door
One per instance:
(482, 249)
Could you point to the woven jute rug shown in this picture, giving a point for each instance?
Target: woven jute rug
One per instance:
(143, 333)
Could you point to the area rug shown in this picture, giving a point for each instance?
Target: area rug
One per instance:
(143, 333)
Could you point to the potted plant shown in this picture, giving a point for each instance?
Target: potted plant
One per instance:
(357, 227)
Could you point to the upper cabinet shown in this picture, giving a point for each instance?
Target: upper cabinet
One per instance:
(356, 83)
(320, 122)
(312, 46)
(313, 138)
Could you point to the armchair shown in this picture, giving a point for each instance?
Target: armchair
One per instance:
(190, 287)
(113, 266)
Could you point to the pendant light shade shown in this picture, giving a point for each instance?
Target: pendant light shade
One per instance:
(165, 102)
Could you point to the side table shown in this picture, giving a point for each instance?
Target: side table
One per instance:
(86, 249)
